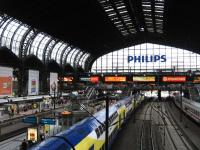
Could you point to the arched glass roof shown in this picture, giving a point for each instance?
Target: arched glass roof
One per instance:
(24, 40)
(147, 58)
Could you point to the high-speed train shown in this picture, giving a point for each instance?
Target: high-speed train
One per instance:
(89, 134)
(190, 102)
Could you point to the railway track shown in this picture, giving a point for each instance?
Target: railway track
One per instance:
(174, 134)
(146, 138)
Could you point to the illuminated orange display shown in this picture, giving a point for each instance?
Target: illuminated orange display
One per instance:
(196, 79)
(5, 85)
(143, 79)
(94, 79)
(68, 79)
(115, 79)
(174, 78)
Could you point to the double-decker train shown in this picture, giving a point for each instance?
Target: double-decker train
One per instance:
(89, 134)
(189, 102)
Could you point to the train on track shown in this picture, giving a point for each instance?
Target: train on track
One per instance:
(189, 102)
(89, 134)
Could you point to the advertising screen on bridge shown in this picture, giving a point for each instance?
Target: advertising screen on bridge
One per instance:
(196, 79)
(174, 79)
(115, 79)
(68, 79)
(94, 79)
(144, 78)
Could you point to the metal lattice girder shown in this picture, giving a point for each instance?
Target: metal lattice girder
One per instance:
(78, 59)
(27, 47)
(62, 54)
(4, 29)
(45, 49)
(22, 42)
(44, 42)
(72, 58)
(58, 52)
(48, 53)
(65, 59)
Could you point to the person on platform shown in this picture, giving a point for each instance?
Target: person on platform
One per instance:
(24, 145)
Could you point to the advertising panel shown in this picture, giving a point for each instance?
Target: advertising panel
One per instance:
(94, 79)
(196, 79)
(144, 79)
(53, 82)
(174, 78)
(33, 134)
(68, 79)
(33, 82)
(115, 79)
(6, 85)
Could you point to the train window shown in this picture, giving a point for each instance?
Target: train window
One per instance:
(91, 148)
(97, 132)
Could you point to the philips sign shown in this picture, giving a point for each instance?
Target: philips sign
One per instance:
(152, 58)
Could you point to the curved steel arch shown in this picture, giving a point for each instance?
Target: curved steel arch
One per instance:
(29, 42)
(50, 50)
(45, 49)
(13, 36)
(81, 64)
(74, 57)
(4, 29)
(39, 45)
(72, 47)
(61, 56)
(22, 42)
(77, 59)
(58, 51)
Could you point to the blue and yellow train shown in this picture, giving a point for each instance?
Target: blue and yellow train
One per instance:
(89, 134)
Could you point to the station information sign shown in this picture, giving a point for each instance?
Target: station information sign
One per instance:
(94, 79)
(144, 78)
(115, 79)
(68, 79)
(85, 79)
(174, 79)
(196, 79)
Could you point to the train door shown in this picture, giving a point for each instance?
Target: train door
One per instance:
(124, 115)
(120, 119)
(91, 148)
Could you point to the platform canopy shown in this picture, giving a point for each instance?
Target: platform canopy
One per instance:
(102, 26)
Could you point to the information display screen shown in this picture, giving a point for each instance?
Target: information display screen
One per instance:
(68, 79)
(144, 78)
(174, 78)
(115, 79)
(196, 79)
(85, 79)
(94, 79)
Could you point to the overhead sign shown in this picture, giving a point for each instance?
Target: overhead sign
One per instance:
(85, 79)
(94, 79)
(33, 134)
(144, 79)
(30, 119)
(68, 79)
(49, 121)
(174, 78)
(196, 79)
(115, 79)
(147, 58)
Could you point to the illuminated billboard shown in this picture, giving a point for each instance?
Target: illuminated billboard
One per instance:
(174, 78)
(68, 79)
(94, 79)
(144, 78)
(33, 134)
(85, 79)
(115, 79)
(196, 79)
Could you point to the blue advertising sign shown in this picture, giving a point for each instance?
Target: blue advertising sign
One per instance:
(49, 121)
(30, 119)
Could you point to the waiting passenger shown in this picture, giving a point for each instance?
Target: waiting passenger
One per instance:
(24, 145)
